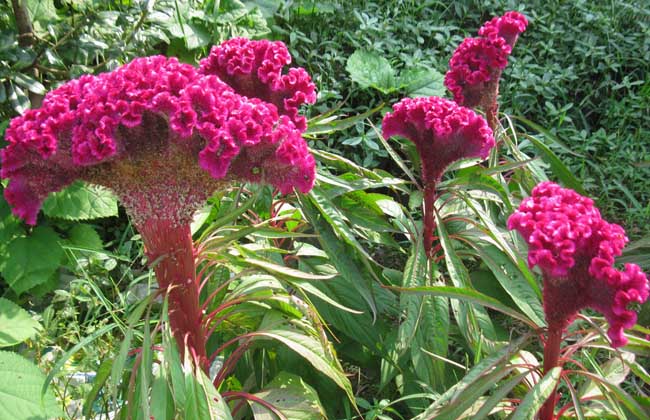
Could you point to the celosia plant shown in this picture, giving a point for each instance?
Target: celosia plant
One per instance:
(576, 249)
(164, 136)
(477, 64)
(443, 132)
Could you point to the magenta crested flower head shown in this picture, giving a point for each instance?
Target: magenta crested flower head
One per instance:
(254, 69)
(508, 27)
(443, 132)
(474, 71)
(161, 134)
(477, 64)
(576, 250)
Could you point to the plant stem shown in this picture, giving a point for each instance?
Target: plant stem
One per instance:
(170, 251)
(429, 217)
(551, 360)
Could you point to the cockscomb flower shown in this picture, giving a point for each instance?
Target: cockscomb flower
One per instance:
(477, 64)
(443, 132)
(576, 250)
(509, 27)
(254, 69)
(474, 71)
(163, 136)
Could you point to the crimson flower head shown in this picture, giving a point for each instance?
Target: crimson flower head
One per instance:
(254, 69)
(477, 64)
(161, 134)
(442, 131)
(576, 249)
(508, 27)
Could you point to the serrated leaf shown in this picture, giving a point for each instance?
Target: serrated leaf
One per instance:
(20, 385)
(422, 82)
(292, 397)
(81, 201)
(369, 69)
(32, 259)
(16, 325)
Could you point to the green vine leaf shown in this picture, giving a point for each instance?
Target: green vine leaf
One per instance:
(16, 325)
(20, 386)
(32, 260)
(81, 202)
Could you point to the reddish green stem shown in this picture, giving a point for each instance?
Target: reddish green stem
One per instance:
(170, 251)
(429, 217)
(551, 360)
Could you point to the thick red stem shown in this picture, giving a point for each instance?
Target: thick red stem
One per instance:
(429, 217)
(552, 349)
(170, 251)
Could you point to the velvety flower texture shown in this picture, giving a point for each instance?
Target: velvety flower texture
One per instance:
(443, 132)
(254, 69)
(576, 250)
(150, 130)
(477, 63)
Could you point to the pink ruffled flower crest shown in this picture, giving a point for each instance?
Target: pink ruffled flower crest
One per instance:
(159, 133)
(254, 69)
(576, 250)
(509, 27)
(442, 131)
(477, 64)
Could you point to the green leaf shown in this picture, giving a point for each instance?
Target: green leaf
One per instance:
(330, 125)
(470, 296)
(85, 236)
(33, 259)
(369, 69)
(321, 358)
(29, 83)
(292, 397)
(20, 383)
(81, 202)
(282, 270)
(210, 404)
(422, 82)
(16, 325)
(513, 282)
(536, 397)
(560, 170)
(614, 370)
(103, 372)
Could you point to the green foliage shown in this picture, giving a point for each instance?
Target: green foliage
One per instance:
(20, 385)
(17, 324)
(81, 202)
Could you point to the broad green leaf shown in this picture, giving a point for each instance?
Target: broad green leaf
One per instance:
(465, 399)
(486, 365)
(85, 236)
(308, 347)
(341, 255)
(616, 392)
(470, 296)
(211, 405)
(369, 69)
(162, 401)
(497, 396)
(422, 82)
(513, 282)
(290, 395)
(536, 397)
(33, 259)
(103, 373)
(614, 370)
(80, 201)
(286, 271)
(16, 325)
(469, 318)
(29, 83)
(20, 383)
